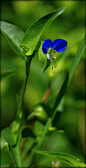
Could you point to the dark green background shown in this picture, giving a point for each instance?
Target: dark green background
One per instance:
(69, 26)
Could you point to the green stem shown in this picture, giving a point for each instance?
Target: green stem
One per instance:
(44, 133)
(17, 123)
(15, 150)
(22, 99)
(29, 58)
(28, 62)
(41, 139)
(27, 74)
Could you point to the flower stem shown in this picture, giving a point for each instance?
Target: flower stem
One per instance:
(29, 58)
(18, 118)
(18, 121)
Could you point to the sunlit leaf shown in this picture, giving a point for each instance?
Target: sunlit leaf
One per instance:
(33, 34)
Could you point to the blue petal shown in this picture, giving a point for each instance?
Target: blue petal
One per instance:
(59, 45)
(46, 45)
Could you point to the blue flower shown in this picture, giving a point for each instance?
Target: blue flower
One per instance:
(49, 47)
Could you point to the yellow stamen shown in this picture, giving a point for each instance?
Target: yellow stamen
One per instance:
(54, 57)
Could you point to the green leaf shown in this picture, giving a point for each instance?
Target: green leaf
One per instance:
(33, 34)
(14, 36)
(8, 73)
(44, 62)
(63, 157)
(13, 141)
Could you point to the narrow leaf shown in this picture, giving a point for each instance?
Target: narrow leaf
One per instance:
(63, 157)
(14, 36)
(33, 34)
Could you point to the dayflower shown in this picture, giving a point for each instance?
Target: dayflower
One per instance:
(49, 48)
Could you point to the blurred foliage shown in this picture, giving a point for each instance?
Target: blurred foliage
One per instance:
(71, 27)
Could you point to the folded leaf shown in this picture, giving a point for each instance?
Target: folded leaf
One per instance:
(33, 34)
(14, 36)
